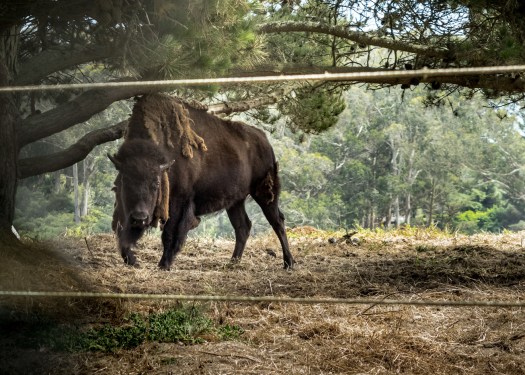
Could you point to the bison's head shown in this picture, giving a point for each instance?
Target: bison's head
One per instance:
(141, 165)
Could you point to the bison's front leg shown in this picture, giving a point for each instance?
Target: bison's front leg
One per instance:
(175, 233)
(127, 238)
(128, 256)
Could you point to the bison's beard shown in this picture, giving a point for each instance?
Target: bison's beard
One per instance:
(129, 236)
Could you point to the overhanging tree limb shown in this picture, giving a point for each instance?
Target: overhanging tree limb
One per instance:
(53, 162)
(57, 59)
(71, 113)
(355, 36)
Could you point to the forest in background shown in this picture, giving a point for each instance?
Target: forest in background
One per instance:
(395, 157)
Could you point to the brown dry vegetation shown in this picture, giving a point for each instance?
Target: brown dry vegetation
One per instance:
(288, 338)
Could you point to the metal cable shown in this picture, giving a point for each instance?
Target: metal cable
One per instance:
(310, 301)
(358, 76)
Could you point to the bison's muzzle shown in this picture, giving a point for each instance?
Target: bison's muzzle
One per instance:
(139, 219)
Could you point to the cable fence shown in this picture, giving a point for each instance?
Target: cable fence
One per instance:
(354, 76)
(262, 299)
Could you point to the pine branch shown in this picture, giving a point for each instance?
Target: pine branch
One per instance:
(227, 108)
(355, 36)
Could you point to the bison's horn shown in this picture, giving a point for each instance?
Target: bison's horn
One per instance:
(163, 167)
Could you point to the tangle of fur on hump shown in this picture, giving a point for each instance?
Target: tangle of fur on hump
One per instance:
(167, 120)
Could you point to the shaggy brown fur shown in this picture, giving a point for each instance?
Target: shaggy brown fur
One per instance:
(163, 119)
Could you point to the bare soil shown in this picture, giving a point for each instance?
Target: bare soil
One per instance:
(284, 338)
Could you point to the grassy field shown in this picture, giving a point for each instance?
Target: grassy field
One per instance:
(79, 336)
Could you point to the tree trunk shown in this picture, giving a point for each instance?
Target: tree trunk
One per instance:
(388, 218)
(408, 208)
(85, 190)
(9, 121)
(58, 182)
(8, 160)
(396, 211)
(75, 186)
(89, 168)
(431, 204)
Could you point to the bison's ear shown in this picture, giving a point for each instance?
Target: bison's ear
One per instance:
(163, 167)
(114, 160)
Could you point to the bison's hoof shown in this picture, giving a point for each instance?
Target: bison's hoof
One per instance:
(165, 266)
(130, 260)
(233, 263)
(289, 265)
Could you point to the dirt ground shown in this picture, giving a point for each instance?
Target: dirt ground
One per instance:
(284, 338)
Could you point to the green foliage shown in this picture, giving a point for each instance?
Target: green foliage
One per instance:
(313, 110)
(38, 203)
(491, 220)
(186, 324)
(229, 332)
(96, 221)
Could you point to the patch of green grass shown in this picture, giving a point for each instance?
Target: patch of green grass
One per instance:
(187, 325)
(229, 332)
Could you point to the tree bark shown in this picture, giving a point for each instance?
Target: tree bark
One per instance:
(8, 157)
(9, 120)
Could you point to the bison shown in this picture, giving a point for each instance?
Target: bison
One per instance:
(177, 163)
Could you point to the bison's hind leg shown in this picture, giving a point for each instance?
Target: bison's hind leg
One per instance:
(267, 197)
(276, 219)
(242, 226)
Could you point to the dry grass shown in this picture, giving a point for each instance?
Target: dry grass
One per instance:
(306, 339)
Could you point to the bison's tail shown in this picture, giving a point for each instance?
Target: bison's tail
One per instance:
(269, 187)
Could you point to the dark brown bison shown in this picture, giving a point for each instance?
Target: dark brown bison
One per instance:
(177, 163)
